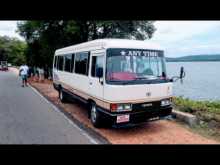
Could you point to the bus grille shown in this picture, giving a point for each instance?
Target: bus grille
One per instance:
(147, 106)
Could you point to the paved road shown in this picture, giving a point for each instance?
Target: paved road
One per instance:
(26, 118)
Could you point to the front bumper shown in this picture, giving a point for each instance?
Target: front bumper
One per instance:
(135, 116)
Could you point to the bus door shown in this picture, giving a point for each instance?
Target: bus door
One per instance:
(96, 83)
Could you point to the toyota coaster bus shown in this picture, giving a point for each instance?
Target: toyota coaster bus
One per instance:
(122, 81)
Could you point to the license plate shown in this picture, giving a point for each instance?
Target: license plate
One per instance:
(123, 118)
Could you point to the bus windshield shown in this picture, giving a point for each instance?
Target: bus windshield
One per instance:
(129, 65)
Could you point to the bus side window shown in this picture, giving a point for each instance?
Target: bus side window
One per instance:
(73, 58)
(56, 65)
(68, 63)
(55, 62)
(82, 63)
(93, 66)
(60, 64)
(97, 62)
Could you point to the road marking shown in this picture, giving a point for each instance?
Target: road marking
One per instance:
(70, 121)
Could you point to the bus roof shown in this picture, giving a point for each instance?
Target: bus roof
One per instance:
(109, 43)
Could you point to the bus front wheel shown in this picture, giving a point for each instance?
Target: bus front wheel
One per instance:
(62, 96)
(95, 116)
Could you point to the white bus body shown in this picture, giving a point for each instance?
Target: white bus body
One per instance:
(122, 81)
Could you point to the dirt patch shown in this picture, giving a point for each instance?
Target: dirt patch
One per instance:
(157, 132)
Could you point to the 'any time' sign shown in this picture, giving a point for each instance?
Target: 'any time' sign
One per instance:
(139, 53)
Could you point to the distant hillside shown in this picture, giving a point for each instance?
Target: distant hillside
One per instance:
(214, 57)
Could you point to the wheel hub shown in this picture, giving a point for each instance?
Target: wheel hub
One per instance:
(93, 114)
(61, 95)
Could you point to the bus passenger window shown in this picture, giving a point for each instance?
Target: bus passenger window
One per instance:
(72, 62)
(55, 62)
(68, 63)
(60, 64)
(97, 62)
(81, 63)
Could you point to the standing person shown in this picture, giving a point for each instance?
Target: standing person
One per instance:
(37, 73)
(41, 73)
(23, 72)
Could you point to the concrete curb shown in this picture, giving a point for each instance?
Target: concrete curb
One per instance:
(190, 119)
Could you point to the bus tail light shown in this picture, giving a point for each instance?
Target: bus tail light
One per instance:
(113, 107)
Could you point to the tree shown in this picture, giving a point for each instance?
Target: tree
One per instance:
(12, 50)
(44, 37)
(140, 30)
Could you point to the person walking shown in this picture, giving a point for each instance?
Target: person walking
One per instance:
(41, 74)
(23, 72)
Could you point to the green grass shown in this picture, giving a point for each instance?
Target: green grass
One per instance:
(204, 110)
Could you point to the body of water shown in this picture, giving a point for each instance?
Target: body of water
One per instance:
(202, 81)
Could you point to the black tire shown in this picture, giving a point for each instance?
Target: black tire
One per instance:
(95, 116)
(62, 96)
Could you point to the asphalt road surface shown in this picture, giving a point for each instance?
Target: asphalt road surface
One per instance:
(26, 118)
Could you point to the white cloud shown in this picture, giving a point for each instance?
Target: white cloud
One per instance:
(9, 28)
(182, 37)
(172, 31)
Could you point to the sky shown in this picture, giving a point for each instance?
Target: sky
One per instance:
(9, 28)
(182, 38)
(178, 38)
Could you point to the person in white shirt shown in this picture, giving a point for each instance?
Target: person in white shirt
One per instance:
(23, 72)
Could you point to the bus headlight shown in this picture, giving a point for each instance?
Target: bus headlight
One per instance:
(120, 107)
(165, 102)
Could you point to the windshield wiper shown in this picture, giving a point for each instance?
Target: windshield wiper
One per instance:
(142, 78)
(123, 82)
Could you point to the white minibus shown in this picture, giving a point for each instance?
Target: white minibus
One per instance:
(122, 81)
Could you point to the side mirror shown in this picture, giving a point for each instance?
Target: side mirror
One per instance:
(182, 73)
(99, 72)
